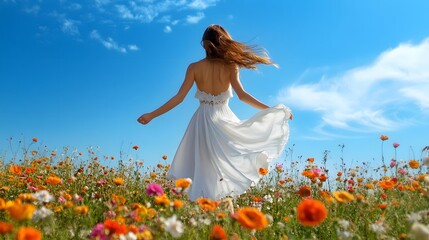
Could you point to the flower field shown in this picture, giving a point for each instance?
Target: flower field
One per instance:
(47, 194)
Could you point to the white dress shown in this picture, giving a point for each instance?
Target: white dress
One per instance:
(222, 154)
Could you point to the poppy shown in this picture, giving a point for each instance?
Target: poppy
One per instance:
(251, 218)
(217, 233)
(311, 212)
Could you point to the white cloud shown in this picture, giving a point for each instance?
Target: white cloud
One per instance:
(167, 29)
(202, 4)
(385, 95)
(195, 19)
(69, 27)
(133, 47)
(108, 43)
(32, 10)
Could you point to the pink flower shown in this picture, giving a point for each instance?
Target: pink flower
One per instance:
(154, 189)
(402, 171)
(395, 144)
(392, 163)
(317, 171)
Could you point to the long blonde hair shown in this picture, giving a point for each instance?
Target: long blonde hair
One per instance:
(219, 44)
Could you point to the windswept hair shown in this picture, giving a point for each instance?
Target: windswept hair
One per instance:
(218, 44)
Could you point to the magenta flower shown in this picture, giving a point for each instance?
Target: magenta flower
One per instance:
(98, 232)
(153, 189)
(395, 144)
(393, 163)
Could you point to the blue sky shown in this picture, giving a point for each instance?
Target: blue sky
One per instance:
(79, 73)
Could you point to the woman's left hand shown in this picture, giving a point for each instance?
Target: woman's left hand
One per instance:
(145, 118)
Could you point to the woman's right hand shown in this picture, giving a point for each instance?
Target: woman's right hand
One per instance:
(145, 118)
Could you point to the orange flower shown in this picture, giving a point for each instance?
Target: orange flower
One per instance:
(206, 204)
(28, 233)
(311, 212)
(323, 177)
(183, 183)
(310, 159)
(369, 186)
(5, 228)
(177, 204)
(382, 206)
(118, 181)
(34, 139)
(304, 191)
(53, 180)
(135, 147)
(164, 157)
(19, 211)
(251, 218)
(81, 210)
(386, 184)
(17, 170)
(263, 171)
(115, 227)
(325, 194)
(343, 196)
(384, 137)
(162, 200)
(413, 164)
(217, 233)
(339, 174)
(119, 200)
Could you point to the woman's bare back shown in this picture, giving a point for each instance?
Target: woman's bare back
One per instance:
(213, 76)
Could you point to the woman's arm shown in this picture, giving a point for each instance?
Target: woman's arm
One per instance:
(174, 101)
(242, 94)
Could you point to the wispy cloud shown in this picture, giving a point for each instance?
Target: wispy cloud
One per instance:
(167, 29)
(192, 19)
(69, 26)
(388, 94)
(108, 43)
(202, 4)
(32, 10)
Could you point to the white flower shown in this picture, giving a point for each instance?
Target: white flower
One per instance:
(414, 217)
(420, 231)
(377, 228)
(43, 196)
(129, 236)
(268, 198)
(41, 213)
(344, 224)
(193, 222)
(344, 234)
(173, 226)
(205, 221)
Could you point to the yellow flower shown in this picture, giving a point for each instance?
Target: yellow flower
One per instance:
(343, 196)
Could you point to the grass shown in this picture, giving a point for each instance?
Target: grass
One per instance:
(73, 195)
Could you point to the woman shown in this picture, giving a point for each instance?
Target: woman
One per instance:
(221, 154)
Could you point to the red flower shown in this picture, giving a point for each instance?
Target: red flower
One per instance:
(135, 147)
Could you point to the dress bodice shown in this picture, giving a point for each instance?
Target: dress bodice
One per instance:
(207, 98)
